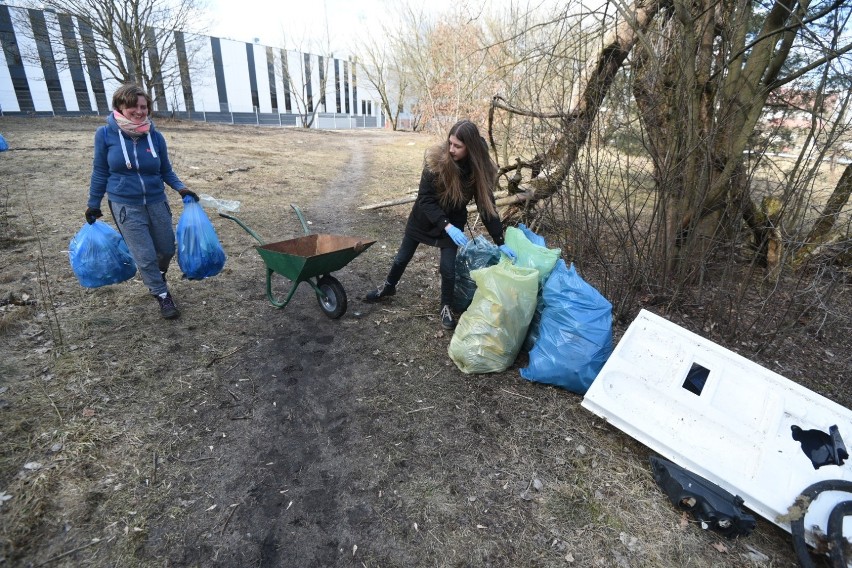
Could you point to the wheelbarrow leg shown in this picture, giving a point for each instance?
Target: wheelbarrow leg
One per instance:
(271, 297)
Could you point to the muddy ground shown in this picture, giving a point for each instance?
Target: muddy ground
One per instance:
(243, 435)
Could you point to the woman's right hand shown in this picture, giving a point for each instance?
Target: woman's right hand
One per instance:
(456, 234)
(92, 214)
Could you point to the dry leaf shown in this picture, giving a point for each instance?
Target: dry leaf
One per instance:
(88, 412)
(684, 520)
(720, 547)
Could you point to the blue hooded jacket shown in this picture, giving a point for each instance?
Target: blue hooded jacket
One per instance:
(134, 176)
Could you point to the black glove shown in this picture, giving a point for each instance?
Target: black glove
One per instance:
(92, 213)
(185, 192)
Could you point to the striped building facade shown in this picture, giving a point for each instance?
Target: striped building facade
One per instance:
(48, 66)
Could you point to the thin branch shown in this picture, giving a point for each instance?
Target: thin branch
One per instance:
(495, 103)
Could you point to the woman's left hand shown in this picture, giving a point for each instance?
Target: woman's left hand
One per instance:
(508, 252)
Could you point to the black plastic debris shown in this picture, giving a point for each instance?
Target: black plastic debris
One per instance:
(834, 541)
(840, 548)
(708, 503)
(821, 448)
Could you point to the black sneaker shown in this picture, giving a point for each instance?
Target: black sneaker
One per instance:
(447, 318)
(168, 309)
(382, 291)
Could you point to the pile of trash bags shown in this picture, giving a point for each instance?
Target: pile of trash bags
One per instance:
(538, 304)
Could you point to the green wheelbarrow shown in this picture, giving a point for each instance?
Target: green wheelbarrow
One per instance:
(310, 259)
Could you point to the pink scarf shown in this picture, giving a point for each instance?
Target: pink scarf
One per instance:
(133, 129)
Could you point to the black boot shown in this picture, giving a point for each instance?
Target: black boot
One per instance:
(382, 291)
(168, 309)
(447, 320)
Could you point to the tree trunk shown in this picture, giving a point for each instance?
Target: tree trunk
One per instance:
(820, 233)
(577, 125)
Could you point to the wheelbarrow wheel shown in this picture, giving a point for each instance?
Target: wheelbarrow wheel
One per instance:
(334, 302)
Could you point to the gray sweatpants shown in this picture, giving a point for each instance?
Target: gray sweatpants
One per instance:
(148, 232)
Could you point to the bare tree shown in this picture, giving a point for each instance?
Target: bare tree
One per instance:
(685, 204)
(386, 74)
(702, 74)
(305, 69)
(135, 39)
(447, 65)
(576, 120)
(734, 67)
(306, 78)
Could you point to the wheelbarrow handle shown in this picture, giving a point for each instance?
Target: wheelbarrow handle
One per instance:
(243, 225)
(255, 235)
(301, 218)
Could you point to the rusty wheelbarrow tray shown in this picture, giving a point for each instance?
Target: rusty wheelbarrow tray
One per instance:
(310, 259)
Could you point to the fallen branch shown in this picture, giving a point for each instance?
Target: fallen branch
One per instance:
(516, 394)
(228, 520)
(72, 551)
(228, 354)
(411, 199)
(509, 200)
(391, 203)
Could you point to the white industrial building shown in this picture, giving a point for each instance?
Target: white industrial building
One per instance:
(48, 66)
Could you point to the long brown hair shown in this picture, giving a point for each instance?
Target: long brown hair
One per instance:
(450, 190)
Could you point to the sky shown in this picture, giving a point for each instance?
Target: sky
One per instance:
(302, 23)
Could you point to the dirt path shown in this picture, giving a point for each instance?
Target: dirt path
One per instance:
(295, 474)
(334, 208)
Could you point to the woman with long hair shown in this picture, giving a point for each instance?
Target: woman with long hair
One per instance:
(456, 171)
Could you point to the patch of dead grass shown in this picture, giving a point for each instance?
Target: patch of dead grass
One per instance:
(123, 415)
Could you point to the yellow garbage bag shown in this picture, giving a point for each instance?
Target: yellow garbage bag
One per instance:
(490, 333)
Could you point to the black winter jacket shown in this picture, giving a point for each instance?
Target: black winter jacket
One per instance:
(427, 219)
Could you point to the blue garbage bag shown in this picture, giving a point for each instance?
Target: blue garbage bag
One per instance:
(3, 144)
(99, 256)
(200, 255)
(575, 333)
(479, 252)
(534, 238)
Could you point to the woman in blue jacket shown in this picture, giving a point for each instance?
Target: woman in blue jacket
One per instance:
(456, 171)
(131, 166)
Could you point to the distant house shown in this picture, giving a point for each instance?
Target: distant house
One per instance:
(789, 115)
